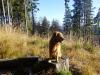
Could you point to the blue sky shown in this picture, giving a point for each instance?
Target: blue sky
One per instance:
(54, 9)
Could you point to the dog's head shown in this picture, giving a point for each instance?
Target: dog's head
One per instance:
(58, 36)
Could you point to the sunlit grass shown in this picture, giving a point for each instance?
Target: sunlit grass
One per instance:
(84, 56)
(14, 44)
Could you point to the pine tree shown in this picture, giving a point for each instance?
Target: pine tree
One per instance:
(87, 5)
(33, 5)
(45, 26)
(97, 23)
(54, 26)
(67, 18)
(97, 18)
(82, 17)
(76, 19)
(19, 12)
(39, 28)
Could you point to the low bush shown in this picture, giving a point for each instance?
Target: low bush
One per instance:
(64, 72)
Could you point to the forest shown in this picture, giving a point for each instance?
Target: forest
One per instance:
(21, 35)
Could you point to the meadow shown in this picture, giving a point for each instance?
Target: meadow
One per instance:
(84, 57)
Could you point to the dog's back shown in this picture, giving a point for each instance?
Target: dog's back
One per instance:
(54, 45)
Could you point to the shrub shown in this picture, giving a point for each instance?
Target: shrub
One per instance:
(64, 72)
(65, 47)
(89, 47)
(77, 46)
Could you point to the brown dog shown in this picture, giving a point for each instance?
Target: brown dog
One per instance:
(54, 45)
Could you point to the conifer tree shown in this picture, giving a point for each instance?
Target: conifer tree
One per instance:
(76, 19)
(45, 26)
(67, 18)
(54, 26)
(82, 17)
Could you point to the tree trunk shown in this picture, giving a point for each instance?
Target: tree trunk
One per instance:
(25, 4)
(33, 22)
(8, 8)
(3, 12)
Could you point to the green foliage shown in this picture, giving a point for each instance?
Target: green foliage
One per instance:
(79, 20)
(89, 47)
(54, 26)
(77, 46)
(40, 43)
(67, 18)
(17, 11)
(64, 72)
(76, 17)
(43, 28)
(64, 47)
(96, 19)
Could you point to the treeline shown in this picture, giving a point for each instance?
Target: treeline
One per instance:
(18, 13)
(44, 27)
(22, 14)
(79, 21)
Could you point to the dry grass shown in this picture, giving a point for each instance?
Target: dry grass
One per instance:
(82, 58)
(14, 44)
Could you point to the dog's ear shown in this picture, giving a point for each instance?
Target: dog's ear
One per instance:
(60, 36)
(55, 33)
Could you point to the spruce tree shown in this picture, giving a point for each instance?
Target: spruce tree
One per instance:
(97, 18)
(67, 18)
(33, 7)
(54, 26)
(45, 26)
(87, 5)
(82, 17)
(76, 19)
